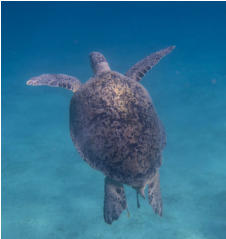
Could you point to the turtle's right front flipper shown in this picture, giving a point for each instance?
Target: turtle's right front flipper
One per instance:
(138, 70)
(56, 80)
(114, 200)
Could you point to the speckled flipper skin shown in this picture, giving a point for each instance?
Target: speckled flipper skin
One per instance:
(116, 129)
(114, 200)
(138, 71)
(56, 80)
(154, 194)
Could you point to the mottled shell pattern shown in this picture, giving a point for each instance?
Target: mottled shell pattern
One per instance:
(114, 126)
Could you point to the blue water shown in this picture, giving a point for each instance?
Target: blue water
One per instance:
(48, 191)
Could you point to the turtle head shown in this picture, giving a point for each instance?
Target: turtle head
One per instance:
(98, 63)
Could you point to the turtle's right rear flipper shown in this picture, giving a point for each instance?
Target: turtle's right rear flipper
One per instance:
(114, 200)
(154, 194)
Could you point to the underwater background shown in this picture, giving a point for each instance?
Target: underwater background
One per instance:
(48, 191)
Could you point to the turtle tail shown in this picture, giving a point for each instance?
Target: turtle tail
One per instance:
(56, 80)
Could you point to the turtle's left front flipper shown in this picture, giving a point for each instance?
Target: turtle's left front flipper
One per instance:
(154, 194)
(56, 80)
(114, 200)
(138, 71)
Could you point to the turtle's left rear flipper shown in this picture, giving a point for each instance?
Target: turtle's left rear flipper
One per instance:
(114, 200)
(154, 194)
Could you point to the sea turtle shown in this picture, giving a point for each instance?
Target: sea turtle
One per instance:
(115, 128)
